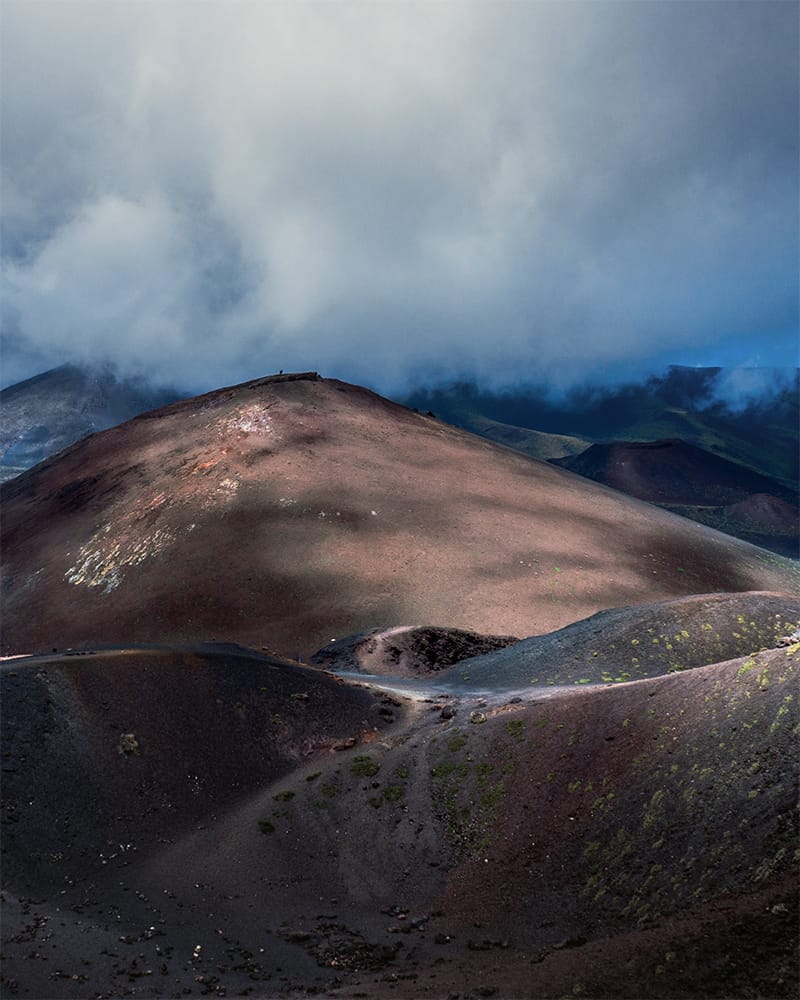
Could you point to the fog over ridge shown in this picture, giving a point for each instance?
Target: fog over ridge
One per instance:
(398, 193)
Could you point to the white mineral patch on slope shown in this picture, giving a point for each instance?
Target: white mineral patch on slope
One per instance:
(228, 487)
(251, 419)
(101, 560)
(128, 540)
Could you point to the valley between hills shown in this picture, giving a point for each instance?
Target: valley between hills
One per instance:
(305, 692)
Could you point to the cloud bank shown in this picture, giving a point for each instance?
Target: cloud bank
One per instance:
(204, 192)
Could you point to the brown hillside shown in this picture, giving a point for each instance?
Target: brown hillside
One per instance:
(293, 509)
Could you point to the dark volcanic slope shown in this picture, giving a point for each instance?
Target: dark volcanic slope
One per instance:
(622, 841)
(291, 510)
(136, 745)
(589, 817)
(697, 484)
(760, 519)
(624, 644)
(537, 444)
(670, 472)
(406, 650)
(762, 512)
(610, 647)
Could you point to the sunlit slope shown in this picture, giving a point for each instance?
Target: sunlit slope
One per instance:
(290, 510)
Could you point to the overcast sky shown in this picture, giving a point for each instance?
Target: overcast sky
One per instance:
(398, 192)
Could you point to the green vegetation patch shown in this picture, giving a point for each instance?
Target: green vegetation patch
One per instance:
(364, 766)
(460, 771)
(483, 772)
(457, 741)
(515, 728)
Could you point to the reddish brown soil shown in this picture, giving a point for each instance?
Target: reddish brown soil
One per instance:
(289, 510)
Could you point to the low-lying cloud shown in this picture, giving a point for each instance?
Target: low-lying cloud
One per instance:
(396, 192)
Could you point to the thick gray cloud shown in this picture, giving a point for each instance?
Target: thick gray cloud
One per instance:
(207, 191)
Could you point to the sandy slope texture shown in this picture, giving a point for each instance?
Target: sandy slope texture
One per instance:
(624, 841)
(129, 746)
(293, 509)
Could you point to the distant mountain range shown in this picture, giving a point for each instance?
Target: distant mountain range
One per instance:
(43, 414)
(763, 435)
(668, 440)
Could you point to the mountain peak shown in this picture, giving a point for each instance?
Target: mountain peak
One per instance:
(288, 510)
